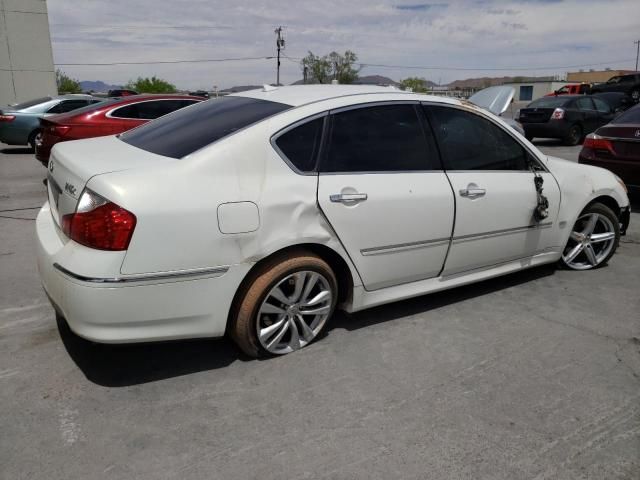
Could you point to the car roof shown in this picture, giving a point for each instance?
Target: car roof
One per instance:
(297, 95)
(71, 96)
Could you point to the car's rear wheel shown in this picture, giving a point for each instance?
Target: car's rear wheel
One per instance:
(593, 239)
(285, 306)
(34, 137)
(635, 95)
(574, 137)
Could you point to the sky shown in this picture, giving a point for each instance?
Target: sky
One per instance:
(441, 41)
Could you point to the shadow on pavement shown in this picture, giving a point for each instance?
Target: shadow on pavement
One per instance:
(16, 151)
(125, 365)
(134, 364)
(433, 301)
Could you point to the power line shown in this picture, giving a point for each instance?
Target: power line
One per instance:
(125, 26)
(208, 60)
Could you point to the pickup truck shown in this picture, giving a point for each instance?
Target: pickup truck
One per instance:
(572, 89)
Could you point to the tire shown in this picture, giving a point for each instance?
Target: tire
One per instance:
(635, 95)
(32, 139)
(593, 240)
(575, 135)
(276, 294)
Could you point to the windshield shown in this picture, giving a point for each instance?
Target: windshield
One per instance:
(30, 103)
(548, 102)
(184, 131)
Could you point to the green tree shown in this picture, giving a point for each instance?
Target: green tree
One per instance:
(67, 84)
(330, 67)
(416, 84)
(150, 85)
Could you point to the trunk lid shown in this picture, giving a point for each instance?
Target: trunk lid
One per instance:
(535, 115)
(625, 139)
(72, 164)
(495, 99)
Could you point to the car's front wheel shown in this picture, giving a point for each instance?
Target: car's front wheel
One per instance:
(593, 239)
(285, 306)
(635, 95)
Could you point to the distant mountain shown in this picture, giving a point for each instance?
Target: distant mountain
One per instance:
(485, 82)
(97, 86)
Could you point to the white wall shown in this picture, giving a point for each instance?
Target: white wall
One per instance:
(540, 89)
(26, 59)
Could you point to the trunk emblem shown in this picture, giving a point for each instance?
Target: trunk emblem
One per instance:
(70, 188)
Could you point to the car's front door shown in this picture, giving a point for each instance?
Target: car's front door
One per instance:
(494, 191)
(382, 188)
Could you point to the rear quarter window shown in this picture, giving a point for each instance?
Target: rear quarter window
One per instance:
(184, 131)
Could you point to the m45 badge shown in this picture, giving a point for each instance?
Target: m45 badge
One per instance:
(70, 189)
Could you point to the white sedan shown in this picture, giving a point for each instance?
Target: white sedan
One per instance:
(259, 214)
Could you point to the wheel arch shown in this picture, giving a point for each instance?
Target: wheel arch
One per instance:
(336, 261)
(606, 200)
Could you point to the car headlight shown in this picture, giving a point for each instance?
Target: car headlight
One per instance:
(621, 183)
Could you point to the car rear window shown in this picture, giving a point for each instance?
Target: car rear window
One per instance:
(549, 102)
(30, 103)
(184, 131)
(630, 116)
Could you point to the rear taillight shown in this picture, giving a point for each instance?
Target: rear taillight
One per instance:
(7, 118)
(558, 114)
(99, 223)
(59, 130)
(596, 142)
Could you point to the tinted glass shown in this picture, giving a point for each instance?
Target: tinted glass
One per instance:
(379, 139)
(67, 106)
(549, 102)
(187, 130)
(584, 104)
(150, 110)
(30, 103)
(601, 106)
(300, 144)
(470, 142)
(630, 116)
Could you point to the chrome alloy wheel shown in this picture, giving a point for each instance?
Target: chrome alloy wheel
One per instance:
(294, 312)
(590, 242)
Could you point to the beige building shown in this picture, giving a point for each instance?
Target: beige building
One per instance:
(594, 76)
(26, 59)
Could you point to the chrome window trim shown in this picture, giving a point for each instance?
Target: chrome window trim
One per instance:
(176, 275)
(110, 112)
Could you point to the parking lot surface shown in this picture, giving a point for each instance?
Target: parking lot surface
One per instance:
(533, 375)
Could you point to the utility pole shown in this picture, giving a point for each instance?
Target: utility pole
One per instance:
(637, 42)
(279, 45)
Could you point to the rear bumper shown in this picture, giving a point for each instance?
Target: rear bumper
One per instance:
(128, 309)
(627, 169)
(546, 130)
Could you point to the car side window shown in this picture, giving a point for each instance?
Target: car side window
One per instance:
(584, 104)
(301, 144)
(601, 106)
(385, 138)
(67, 106)
(470, 142)
(128, 111)
(158, 108)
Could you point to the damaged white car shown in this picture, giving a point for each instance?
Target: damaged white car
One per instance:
(259, 214)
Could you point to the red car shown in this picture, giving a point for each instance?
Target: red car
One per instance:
(616, 147)
(106, 118)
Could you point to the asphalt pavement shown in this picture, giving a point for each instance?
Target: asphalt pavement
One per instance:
(535, 375)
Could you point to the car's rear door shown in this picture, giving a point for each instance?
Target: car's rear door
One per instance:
(382, 188)
(494, 191)
(588, 114)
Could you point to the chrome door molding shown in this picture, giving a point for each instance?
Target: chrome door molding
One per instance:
(499, 233)
(403, 247)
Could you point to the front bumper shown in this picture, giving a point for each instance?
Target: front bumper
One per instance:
(126, 309)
